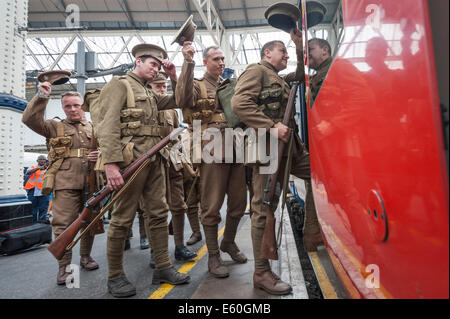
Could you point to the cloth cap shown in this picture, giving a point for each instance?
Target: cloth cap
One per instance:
(161, 77)
(55, 77)
(282, 15)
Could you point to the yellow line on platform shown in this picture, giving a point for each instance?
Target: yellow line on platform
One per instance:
(324, 282)
(164, 289)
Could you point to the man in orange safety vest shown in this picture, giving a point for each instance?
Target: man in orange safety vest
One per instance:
(33, 186)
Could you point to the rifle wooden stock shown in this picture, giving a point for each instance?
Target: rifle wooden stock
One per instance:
(269, 242)
(58, 246)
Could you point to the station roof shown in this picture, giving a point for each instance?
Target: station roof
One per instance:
(152, 14)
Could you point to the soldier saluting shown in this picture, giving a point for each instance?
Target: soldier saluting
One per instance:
(128, 129)
(260, 101)
(69, 142)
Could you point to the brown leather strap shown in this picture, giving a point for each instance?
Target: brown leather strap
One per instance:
(77, 152)
(203, 91)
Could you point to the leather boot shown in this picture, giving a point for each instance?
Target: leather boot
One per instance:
(271, 283)
(228, 244)
(217, 267)
(312, 241)
(233, 250)
(62, 275)
(88, 263)
(144, 242)
(169, 275)
(120, 287)
(182, 253)
(195, 237)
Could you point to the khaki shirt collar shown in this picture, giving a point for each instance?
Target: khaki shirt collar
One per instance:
(208, 77)
(137, 78)
(268, 65)
(83, 122)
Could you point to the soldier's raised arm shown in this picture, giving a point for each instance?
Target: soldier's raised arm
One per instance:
(299, 74)
(166, 101)
(187, 92)
(33, 116)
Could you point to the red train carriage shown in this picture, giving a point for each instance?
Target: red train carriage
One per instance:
(378, 156)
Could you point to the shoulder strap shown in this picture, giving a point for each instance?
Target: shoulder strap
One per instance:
(203, 91)
(130, 94)
(59, 129)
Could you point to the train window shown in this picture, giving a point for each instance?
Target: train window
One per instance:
(324, 39)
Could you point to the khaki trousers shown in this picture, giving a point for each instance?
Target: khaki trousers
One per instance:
(67, 205)
(151, 185)
(216, 180)
(177, 206)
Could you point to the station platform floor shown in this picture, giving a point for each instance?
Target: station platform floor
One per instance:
(32, 274)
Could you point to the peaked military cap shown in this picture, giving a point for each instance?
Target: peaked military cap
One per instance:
(150, 50)
(315, 12)
(186, 32)
(55, 77)
(282, 15)
(161, 77)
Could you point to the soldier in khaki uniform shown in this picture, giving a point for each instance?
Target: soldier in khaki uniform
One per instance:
(250, 102)
(196, 98)
(121, 130)
(177, 205)
(71, 139)
(319, 56)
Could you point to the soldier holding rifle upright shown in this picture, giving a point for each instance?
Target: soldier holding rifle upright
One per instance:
(260, 101)
(69, 154)
(127, 130)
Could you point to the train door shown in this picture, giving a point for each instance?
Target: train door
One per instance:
(378, 162)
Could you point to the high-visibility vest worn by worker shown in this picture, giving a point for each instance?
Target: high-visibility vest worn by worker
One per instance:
(36, 179)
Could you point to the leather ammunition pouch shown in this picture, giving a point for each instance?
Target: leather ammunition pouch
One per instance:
(203, 110)
(271, 99)
(60, 149)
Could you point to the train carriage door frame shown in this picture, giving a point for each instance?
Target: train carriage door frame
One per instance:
(439, 22)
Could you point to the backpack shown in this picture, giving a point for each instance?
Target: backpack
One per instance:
(91, 100)
(224, 93)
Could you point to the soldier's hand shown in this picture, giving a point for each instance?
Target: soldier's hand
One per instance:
(296, 37)
(93, 156)
(45, 88)
(170, 69)
(188, 51)
(282, 132)
(113, 176)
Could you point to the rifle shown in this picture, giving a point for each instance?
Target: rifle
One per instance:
(89, 186)
(65, 242)
(269, 243)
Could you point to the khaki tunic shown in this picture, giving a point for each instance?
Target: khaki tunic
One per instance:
(150, 184)
(72, 173)
(68, 198)
(316, 81)
(113, 100)
(245, 105)
(216, 179)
